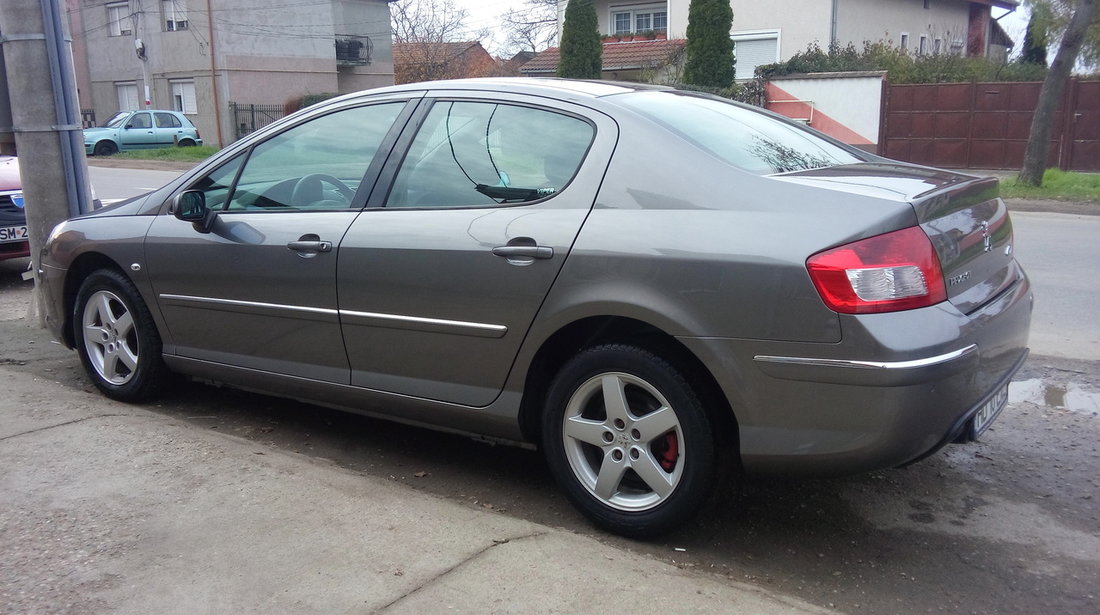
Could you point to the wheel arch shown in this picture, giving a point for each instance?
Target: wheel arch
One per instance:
(114, 144)
(591, 331)
(78, 271)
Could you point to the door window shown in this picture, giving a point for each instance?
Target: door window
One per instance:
(317, 165)
(140, 120)
(474, 154)
(167, 120)
(216, 184)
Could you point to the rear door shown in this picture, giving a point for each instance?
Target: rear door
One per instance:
(259, 290)
(441, 277)
(167, 127)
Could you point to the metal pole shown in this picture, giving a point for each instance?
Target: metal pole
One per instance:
(45, 116)
(214, 74)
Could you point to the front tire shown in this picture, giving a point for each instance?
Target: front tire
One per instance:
(118, 343)
(105, 148)
(625, 435)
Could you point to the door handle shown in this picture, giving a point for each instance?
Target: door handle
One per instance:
(310, 246)
(524, 251)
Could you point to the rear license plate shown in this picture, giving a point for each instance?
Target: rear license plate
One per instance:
(988, 412)
(13, 233)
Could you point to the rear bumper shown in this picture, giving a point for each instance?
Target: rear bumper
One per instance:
(897, 387)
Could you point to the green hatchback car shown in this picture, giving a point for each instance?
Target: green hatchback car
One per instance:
(144, 129)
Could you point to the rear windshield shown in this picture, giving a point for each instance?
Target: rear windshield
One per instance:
(744, 138)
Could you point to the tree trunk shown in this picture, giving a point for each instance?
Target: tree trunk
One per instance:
(1038, 143)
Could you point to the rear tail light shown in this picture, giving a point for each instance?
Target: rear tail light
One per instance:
(885, 273)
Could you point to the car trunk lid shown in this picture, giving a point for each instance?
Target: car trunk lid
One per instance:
(962, 215)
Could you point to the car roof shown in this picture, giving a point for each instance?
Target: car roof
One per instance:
(544, 86)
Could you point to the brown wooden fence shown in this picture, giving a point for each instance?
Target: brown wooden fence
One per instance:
(986, 125)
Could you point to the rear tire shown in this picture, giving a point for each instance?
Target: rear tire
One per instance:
(117, 340)
(186, 143)
(105, 148)
(625, 435)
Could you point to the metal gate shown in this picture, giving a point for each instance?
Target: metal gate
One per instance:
(986, 125)
(248, 118)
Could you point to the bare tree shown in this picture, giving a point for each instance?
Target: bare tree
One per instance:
(1035, 156)
(533, 27)
(432, 41)
(427, 21)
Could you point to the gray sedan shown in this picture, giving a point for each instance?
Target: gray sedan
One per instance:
(646, 283)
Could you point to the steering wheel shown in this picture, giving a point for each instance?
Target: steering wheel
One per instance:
(309, 189)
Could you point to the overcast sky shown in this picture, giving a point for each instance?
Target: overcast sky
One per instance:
(487, 13)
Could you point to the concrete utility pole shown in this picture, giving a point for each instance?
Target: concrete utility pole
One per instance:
(45, 115)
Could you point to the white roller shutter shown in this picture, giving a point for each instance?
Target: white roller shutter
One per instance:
(127, 96)
(754, 52)
(183, 96)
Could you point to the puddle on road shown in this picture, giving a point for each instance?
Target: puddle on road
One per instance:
(1070, 396)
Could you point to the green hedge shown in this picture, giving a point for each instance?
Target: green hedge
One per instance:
(900, 66)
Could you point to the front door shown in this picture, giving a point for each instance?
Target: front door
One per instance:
(440, 279)
(138, 132)
(259, 290)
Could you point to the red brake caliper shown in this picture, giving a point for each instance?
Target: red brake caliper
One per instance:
(671, 453)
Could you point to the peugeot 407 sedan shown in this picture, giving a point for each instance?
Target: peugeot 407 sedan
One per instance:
(640, 281)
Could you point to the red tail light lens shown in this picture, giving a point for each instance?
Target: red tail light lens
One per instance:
(885, 273)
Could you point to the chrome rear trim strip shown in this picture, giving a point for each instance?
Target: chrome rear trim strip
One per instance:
(886, 365)
(869, 373)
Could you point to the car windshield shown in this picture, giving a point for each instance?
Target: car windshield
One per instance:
(744, 138)
(115, 120)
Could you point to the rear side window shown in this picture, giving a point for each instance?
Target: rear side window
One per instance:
(470, 154)
(167, 120)
(744, 138)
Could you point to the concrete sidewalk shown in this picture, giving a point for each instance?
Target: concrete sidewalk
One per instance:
(109, 508)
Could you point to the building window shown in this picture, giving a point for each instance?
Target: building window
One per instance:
(118, 19)
(639, 19)
(937, 46)
(175, 16)
(923, 46)
(904, 41)
(753, 49)
(127, 96)
(183, 96)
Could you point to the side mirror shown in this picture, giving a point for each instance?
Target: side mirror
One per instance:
(129, 126)
(190, 206)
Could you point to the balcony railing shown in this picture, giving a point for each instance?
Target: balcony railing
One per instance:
(353, 50)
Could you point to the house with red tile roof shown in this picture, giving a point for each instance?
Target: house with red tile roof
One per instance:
(772, 31)
(414, 62)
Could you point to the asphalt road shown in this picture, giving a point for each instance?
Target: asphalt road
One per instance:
(1060, 253)
(1007, 525)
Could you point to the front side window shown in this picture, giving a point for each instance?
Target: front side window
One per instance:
(470, 154)
(140, 121)
(216, 184)
(118, 19)
(744, 138)
(317, 165)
